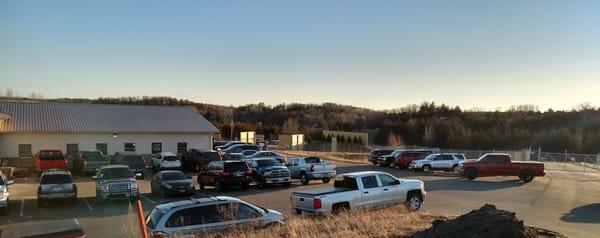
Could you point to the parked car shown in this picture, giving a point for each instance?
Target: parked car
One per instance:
(248, 152)
(360, 190)
(50, 159)
(194, 160)
(229, 144)
(56, 184)
(165, 160)
(267, 171)
(88, 161)
(268, 154)
(134, 160)
(219, 143)
(444, 162)
(191, 218)
(234, 156)
(221, 174)
(4, 194)
(402, 158)
(311, 168)
(375, 154)
(171, 182)
(498, 164)
(116, 182)
(240, 148)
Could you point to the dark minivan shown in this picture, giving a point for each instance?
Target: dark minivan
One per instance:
(220, 174)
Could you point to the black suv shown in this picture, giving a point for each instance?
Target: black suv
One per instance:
(227, 172)
(195, 160)
(374, 155)
(134, 160)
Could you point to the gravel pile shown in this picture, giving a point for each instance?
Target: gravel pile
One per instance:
(487, 222)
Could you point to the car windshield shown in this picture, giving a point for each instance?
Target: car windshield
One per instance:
(51, 155)
(116, 173)
(56, 179)
(267, 162)
(235, 167)
(430, 157)
(154, 218)
(170, 158)
(345, 182)
(396, 153)
(313, 160)
(92, 156)
(173, 176)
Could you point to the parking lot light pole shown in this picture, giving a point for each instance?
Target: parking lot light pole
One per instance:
(140, 213)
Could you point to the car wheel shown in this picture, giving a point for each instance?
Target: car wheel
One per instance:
(326, 180)
(261, 183)
(287, 184)
(201, 185)
(304, 179)
(471, 174)
(526, 176)
(246, 186)
(414, 201)
(374, 162)
(339, 208)
(455, 169)
(427, 168)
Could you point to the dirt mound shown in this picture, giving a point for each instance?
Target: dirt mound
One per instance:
(487, 222)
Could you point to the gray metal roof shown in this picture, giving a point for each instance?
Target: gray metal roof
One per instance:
(94, 118)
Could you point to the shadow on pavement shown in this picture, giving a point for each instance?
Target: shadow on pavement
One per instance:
(460, 184)
(584, 214)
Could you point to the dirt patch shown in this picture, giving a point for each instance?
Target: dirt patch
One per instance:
(487, 222)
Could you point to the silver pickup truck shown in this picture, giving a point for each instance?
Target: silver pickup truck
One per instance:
(311, 168)
(360, 190)
(116, 182)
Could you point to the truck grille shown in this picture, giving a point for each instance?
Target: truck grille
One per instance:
(119, 188)
(279, 173)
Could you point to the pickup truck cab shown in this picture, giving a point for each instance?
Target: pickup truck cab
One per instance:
(89, 161)
(311, 168)
(266, 171)
(360, 190)
(50, 159)
(497, 164)
(443, 162)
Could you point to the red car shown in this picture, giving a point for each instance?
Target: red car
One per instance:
(406, 157)
(50, 159)
(496, 164)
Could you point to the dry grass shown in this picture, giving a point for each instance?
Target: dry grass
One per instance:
(389, 222)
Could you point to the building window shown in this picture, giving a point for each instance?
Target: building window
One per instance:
(25, 150)
(72, 149)
(102, 147)
(130, 147)
(181, 147)
(156, 147)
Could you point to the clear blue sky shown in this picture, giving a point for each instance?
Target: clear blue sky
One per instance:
(376, 54)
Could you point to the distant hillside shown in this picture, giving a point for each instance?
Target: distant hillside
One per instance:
(427, 124)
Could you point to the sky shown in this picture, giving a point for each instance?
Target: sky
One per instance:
(374, 54)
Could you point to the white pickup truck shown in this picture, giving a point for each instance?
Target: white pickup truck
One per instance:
(360, 190)
(311, 168)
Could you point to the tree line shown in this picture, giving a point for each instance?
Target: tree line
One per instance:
(428, 124)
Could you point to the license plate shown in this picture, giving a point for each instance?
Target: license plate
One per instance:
(238, 174)
(56, 189)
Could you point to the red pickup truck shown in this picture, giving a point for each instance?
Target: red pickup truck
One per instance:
(50, 159)
(496, 164)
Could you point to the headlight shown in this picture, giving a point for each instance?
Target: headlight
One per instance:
(169, 186)
(134, 185)
(3, 195)
(104, 187)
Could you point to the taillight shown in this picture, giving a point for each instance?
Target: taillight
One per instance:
(312, 168)
(334, 166)
(159, 234)
(317, 203)
(225, 173)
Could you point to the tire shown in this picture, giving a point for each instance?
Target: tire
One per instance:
(339, 208)
(455, 169)
(471, 174)
(245, 186)
(383, 165)
(303, 178)
(326, 180)
(414, 200)
(527, 176)
(261, 182)
(427, 168)
(374, 162)
(219, 186)
(286, 184)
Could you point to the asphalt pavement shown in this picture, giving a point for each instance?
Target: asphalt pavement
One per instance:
(567, 202)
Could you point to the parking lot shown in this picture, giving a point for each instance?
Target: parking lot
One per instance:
(563, 201)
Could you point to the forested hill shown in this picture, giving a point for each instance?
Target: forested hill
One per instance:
(426, 124)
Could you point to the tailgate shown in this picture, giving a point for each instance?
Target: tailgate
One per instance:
(304, 202)
(324, 167)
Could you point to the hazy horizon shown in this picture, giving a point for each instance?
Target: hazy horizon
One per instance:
(376, 54)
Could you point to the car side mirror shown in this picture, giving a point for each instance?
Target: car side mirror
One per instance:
(397, 182)
(95, 177)
(9, 182)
